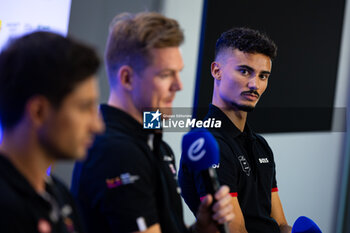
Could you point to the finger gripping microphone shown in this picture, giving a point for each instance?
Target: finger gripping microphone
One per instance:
(200, 152)
(305, 225)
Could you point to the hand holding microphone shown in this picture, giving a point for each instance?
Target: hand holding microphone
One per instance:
(200, 152)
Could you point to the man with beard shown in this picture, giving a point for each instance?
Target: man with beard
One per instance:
(242, 66)
(48, 111)
(128, 182)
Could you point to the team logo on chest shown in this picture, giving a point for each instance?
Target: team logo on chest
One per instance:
(244, 164)
(123, 179)
(263, 160)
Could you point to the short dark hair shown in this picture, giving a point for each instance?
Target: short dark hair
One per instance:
(132, 36)
(246, 40)
(41, 63)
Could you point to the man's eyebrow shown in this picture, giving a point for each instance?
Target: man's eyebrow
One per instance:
(89, 101)
(252, 70)
(170, 70)
(265, 72)
(246, 67)
(166, 71)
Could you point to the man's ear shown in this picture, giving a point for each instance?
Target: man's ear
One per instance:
(38, 109)
(126, 77)
(216, 70)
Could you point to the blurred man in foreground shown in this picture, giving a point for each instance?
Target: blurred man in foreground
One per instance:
(48, 111)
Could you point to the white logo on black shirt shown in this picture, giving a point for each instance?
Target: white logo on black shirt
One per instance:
(245, 165)
(263, 160)
(167, 158)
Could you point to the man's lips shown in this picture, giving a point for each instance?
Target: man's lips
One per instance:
(250, 95)
(89, 142)
(169, 100)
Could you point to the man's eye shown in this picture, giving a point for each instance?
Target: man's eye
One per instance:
(264, 76)
(244, 71)
(165, 75)
(86, 106)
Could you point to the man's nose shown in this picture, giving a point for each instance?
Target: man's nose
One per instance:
(98, 125)
(177, 84)
(254, 83)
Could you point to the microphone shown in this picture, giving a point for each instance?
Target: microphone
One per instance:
(200, 152)
(305, 225)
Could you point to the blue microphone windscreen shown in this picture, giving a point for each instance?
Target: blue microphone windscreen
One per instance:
(305, 225)
(200, 149)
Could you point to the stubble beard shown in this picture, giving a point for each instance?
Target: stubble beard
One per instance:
(52, 150)
(245, 108)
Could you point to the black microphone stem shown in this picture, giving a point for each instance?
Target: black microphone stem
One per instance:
(212, 185)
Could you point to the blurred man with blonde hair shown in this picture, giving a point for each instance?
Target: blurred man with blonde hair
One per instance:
(128, 183)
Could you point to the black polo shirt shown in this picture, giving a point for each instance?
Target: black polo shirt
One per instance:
(128, 181)
(246, 165)
(22, 209)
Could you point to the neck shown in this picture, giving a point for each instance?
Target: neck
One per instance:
(28, 158)
(125, 103)
(237, 117)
